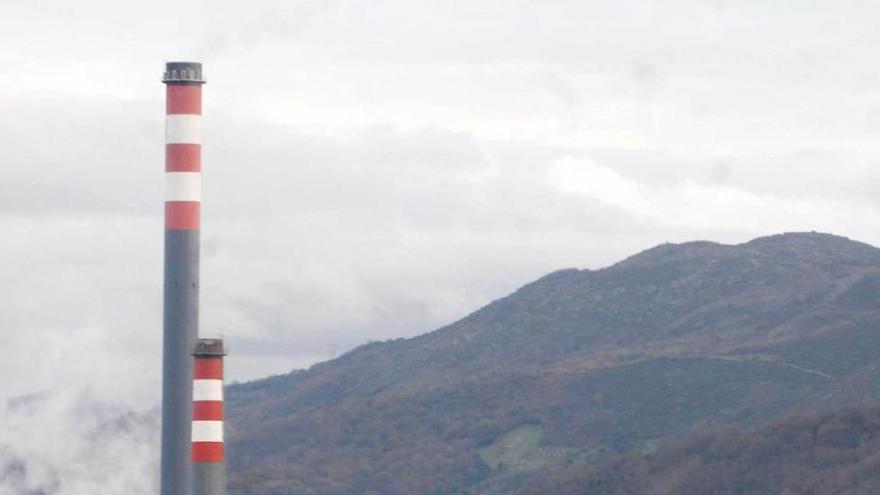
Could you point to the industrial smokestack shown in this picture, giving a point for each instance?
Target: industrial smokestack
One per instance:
(183, 150)
(209, 468)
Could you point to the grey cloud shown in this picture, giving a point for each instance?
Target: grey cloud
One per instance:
(81, 155)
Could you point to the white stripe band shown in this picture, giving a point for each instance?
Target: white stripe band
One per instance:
(207, 390)
(183, 128)
(183, 186)
(207, 431)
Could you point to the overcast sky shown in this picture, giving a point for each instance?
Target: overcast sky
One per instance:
(377, 169)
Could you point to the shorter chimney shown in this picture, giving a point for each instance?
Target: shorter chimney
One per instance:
(209, 467)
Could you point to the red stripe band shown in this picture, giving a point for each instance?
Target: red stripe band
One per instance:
(207, 410)
(183, 99)
(207, 451)
(208, 368)
(180, 157)
(182, 215)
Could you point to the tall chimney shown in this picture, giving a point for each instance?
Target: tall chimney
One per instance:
(183, 150)
(209, 468)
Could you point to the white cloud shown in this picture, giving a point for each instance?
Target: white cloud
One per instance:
(705, 206)
(585, 177)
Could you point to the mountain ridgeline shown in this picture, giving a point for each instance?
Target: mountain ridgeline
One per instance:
(574, 369)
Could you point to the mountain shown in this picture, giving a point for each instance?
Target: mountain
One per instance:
(836, 453)
(578, 366)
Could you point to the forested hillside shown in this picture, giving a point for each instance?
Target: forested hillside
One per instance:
(579, 366)
(833, 454)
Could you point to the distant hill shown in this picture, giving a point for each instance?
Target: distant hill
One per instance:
(578, 366)
(833, 454)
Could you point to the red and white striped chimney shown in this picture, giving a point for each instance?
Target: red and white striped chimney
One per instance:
(209, 469)
(183, 164)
